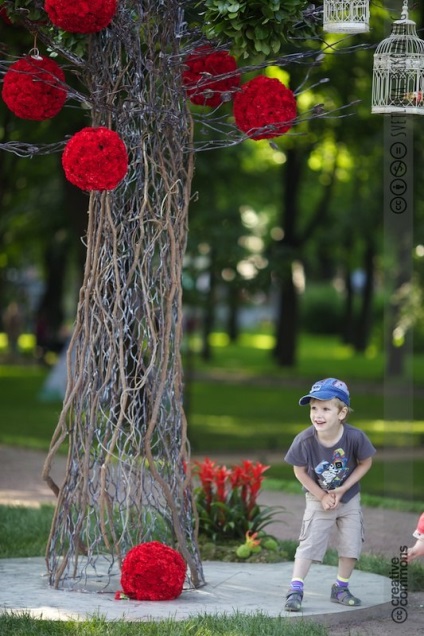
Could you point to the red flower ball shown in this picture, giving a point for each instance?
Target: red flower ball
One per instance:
(204, 63)
(81, 16)
(153, 572)
(264, 102)
(32, 88)
(95, 159)
(4, 16)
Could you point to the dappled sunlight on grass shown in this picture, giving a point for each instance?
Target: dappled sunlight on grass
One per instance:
(219, 339)
(3, 342)
(240, 427)
(392, 426)
(257, 340)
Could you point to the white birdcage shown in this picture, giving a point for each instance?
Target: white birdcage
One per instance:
(346, 16)
(398, 76)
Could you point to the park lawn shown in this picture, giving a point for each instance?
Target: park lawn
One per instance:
(318, 357)
(222, 415)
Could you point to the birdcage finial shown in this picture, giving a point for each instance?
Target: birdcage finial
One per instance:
(405, 11)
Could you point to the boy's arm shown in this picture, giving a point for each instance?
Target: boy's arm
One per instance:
(301, 474)
(356, 475)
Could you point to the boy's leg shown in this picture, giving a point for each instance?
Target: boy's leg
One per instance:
(350, 529)
(346, 567)
(340, 592)
(316, 526)
(295, 594)
(301, 568)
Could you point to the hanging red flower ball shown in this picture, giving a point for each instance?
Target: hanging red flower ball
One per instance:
(152, 572)
(32, 88)
(204, 63)
(81, 16)
(95, 159)
(4, 16)
(264, 102)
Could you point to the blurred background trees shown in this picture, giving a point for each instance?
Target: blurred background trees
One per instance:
(288, 233)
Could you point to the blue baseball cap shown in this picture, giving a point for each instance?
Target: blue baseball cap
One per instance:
(327, 389)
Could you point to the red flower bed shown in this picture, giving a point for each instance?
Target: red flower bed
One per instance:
(264, 108)
(95, 159)
(203, 64)
(81, 16)
(32, 88)
(227, 499)
(152, 572)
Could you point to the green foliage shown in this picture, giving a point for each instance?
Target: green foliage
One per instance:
(322, 310)
(255, 28)
(230, 551)
(32, 17)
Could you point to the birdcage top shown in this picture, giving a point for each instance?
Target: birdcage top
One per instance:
(403, 39)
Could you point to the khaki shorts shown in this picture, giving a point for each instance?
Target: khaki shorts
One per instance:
(318, 524)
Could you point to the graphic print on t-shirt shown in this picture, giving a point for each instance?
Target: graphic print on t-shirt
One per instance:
(332, 474)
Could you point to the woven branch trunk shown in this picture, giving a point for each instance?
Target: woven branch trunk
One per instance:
(128, 475)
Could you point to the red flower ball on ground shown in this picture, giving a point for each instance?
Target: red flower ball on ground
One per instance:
(32, 88)
(203, 64)
(153, 572)
(81, 16)
(264, 103)
(95, 159)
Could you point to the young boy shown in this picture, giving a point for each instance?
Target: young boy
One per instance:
(329, 458)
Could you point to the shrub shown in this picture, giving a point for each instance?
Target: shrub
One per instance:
(226, 500)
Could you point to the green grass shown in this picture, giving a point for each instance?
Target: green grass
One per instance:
(24, 419)
(237, 624)
(317, 357)
(24, 531)
(236, 416)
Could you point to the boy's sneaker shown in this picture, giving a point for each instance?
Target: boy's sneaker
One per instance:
(342, 595)
(293, 601)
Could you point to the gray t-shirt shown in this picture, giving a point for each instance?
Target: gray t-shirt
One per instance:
(330, 467)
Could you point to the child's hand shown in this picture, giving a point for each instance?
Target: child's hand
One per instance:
(328, 502)
(416, 551)
(338, 494)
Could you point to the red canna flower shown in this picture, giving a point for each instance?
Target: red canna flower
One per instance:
(206, 473)
(221, 481)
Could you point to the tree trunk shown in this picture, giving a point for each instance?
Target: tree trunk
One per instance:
(365, 314)
(287, 316)
(50, 313)
(287, 321)
(233, 305)
(209, 312)
(128, 478)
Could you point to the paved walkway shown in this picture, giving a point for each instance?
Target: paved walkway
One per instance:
(242, 587)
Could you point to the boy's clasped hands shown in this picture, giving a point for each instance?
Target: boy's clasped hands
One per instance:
(330, 500)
